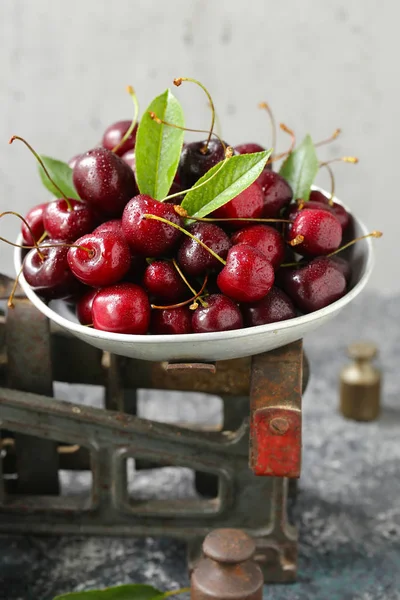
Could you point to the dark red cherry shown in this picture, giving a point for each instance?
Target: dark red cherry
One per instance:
(122, 308)
(104, 180)
(220, 314)
(35, 220)
(344, 267)
(114, 134)
(62, 223)
(248, 204)
(114, 226)
(130, 159)
(315, 285)
(338, 210)
(249, 148)
(171, 321)
(84, 307)
(194, 163)
(51, 277)
(136, 269)
(266, 239)
(196, 260)
(277, 193)
(276, 306)
(105, 260)
(247, 276)
(294, 209)
(72, 161)
(321, 230)
(148, 237)
(163, 282)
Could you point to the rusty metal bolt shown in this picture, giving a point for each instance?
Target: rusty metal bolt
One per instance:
(227, 571)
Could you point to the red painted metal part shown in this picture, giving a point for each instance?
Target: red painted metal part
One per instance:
(275, 404)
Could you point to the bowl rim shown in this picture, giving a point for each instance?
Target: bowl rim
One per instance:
(273, 328)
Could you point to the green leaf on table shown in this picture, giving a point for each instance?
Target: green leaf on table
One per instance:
(300, 169)
(238, 173)
(61, 173)
(158, 147)
(121, 592)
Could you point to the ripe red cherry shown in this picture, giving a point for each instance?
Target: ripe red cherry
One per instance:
(107, 261)
(148, 237)
(62, 223)
(249, 148)
(193, 258)
(114, 134)
(72, 161)
(247, 276)
(122, 308)
(248, 204)
(266, 239)
(194, 163)
(114, 226)
(344, 266)
(338, 210)
(221, 314)
(277, 193)
(163, 282)
(130, 159)
(35, 220)
(84, 307)
(171, 321)
(316, 285)
(50, 278)
(276, 306)
(104, 180)
(321, 230)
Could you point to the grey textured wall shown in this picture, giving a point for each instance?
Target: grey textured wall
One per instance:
(64, 66)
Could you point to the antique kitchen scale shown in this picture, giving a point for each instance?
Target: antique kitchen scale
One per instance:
(259, 373)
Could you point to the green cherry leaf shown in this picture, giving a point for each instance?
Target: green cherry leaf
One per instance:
(121, 592)
(238, 173)
(300, 169)
(158, 147)
(61, 173)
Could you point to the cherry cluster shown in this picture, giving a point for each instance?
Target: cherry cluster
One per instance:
(135, 265)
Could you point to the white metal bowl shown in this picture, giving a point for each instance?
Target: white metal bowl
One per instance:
(210, 346)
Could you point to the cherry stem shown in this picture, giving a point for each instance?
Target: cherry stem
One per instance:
(185, 215)
(286, 129)
(10, 301)
(185, 302)
(330, 139)
(186, 232)
(228, 155)
(40, 161)
(265, 106)
(162, 122)
(347, 159)
(90, 251)
(374, 234)
(188, 284)
(297, 240)
(176, 592)
(132, 126)
(177, 82)
(25, 222)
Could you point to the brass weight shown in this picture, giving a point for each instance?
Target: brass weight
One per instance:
(360, 384)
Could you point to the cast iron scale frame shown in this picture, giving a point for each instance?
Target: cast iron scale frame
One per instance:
(33, 426)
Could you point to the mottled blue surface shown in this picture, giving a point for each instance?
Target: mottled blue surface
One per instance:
(348, 508)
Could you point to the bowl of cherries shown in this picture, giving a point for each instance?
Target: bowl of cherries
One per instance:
(160, 249)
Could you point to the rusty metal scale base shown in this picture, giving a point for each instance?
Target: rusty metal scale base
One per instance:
(40, 436)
